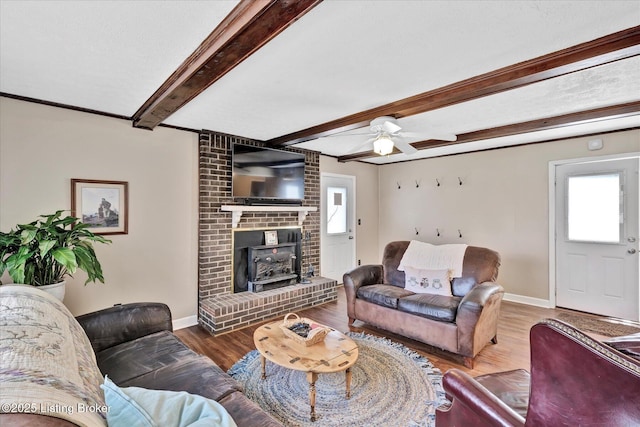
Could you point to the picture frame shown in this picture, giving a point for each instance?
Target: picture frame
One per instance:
(103, 205)
(271, 237)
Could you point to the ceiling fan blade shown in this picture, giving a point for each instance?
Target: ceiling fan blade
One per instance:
(441, 136)
(405, 147)
(359, 147)
(390, 127)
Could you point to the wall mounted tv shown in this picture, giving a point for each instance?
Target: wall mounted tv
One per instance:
(267, 175)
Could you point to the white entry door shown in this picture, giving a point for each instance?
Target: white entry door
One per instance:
(337, 212)
(597, 237)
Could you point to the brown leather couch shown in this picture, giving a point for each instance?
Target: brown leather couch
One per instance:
(574, 381)
(462, 324)
(134, 345)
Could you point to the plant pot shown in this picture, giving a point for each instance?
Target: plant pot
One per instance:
(56, 289)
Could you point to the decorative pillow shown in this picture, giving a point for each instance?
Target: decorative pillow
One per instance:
(420, 281)
(135, 406)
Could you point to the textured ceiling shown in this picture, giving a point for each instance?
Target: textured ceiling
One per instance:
(340, 58)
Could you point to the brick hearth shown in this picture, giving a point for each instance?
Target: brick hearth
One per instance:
(233, 311)
(219, 309)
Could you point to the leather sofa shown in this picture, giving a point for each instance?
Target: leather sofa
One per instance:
(461, 324)
(574, 381)
(134, 346)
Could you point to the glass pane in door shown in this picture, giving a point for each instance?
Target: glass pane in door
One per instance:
(336, 210)
(594, 208)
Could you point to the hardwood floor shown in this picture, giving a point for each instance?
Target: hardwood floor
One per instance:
(511, 352)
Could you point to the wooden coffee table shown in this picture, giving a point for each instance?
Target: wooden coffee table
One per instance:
(336, 353)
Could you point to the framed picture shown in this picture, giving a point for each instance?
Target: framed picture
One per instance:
(103, 205)
(270, 237)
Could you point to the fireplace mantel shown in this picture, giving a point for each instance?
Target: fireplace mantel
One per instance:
(238, 210)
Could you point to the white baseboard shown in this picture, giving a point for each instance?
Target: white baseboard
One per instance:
(185, 322)
(538, 302)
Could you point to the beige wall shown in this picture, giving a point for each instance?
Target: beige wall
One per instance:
(42, 148)
(502, 203)
(366, 204)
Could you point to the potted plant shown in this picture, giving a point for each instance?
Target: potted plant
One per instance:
(43, 252)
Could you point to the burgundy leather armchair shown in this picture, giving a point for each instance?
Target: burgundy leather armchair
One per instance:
(574, 381)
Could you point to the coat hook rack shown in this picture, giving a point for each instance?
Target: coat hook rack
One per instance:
(459, 181)
(437, 183)
(417, 230)
(437, 232)
(459, 233)
(417, 183)
(398, 185)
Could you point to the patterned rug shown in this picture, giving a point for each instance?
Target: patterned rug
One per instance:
(391, 386)
(607, 326)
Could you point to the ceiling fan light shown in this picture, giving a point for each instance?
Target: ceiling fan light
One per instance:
(383, 145)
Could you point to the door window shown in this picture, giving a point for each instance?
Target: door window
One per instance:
(336, 210)
(595, 207)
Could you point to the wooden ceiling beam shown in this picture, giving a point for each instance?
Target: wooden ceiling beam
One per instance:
(571, 119)
(249, 26)
(613, 47)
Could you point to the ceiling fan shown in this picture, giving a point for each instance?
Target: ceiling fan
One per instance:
(385, 133)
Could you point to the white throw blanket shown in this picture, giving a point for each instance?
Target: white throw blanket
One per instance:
(434, 257)
(47, 365)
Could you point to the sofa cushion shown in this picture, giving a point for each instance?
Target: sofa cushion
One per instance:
(420, 281)
(384, 295)
(511, 387)
(138, 357)
(391, 260)
(436, 307)
(135, 406)
(195, 374)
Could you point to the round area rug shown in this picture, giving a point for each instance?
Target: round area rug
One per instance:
(391, 386)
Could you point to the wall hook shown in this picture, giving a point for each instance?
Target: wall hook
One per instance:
(459, 181)
(437, 232)
(459, 233)
(398, 185)
(417, 230)
(417, 184)
(437, 183)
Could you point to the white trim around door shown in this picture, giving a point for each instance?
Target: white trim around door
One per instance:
(552, 211)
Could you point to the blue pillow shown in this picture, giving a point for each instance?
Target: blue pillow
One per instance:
(135, 406)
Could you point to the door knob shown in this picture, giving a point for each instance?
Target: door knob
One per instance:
(631, 251)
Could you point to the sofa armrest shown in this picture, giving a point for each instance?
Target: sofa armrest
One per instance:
(480, 295)
(360, 276)
(477, 317)
(121, 323)
(472, 404)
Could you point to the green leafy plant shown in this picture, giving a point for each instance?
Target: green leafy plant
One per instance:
(44, 251)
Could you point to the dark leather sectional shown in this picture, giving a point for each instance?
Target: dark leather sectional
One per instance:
(135, 346)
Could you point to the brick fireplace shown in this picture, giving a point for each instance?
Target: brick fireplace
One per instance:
(220, 309)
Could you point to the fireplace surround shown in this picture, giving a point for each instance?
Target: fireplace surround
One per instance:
(220, 309)
(273, 258)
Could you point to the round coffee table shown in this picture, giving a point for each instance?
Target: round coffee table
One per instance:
(336, 353)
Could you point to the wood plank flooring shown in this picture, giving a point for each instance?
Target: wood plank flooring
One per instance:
(511, 352)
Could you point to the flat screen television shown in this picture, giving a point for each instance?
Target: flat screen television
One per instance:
(266, 174)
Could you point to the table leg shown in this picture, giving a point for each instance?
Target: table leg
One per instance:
(311, 378)
(263, 360)
(347, 374)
